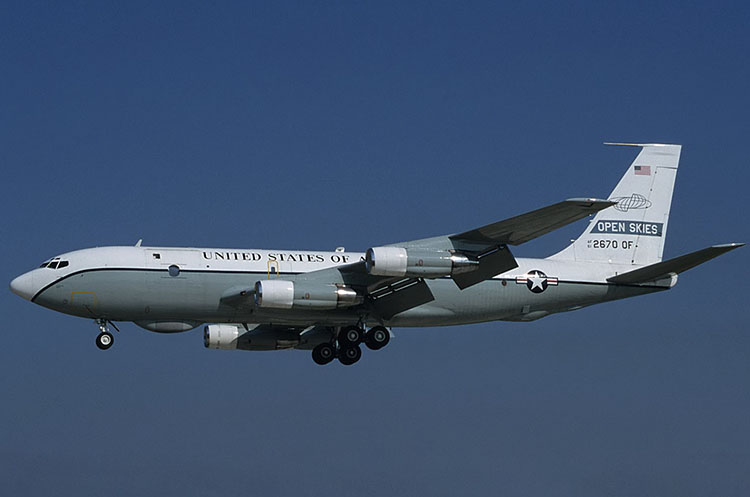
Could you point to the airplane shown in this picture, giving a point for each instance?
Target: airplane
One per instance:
(332, 302)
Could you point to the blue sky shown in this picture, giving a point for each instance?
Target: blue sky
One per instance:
(314, 125)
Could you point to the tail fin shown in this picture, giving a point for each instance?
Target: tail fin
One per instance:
(632, 231)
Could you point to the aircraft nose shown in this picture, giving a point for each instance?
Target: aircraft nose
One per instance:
(23, 286)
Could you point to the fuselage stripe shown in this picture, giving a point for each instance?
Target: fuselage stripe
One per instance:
(225, 271)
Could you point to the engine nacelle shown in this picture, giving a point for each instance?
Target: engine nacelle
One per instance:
(221, 336)
(416, 263)
(281, 294)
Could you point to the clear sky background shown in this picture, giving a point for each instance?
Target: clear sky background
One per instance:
(312, 125)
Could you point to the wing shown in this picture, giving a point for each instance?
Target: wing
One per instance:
(521, 229)
(488, 245)
(467, 258)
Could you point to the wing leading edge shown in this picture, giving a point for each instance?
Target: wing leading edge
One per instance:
(526, 227)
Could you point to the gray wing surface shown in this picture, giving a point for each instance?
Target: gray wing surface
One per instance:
(521, 229)
(387, 296)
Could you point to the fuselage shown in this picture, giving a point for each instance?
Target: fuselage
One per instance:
(175, 289)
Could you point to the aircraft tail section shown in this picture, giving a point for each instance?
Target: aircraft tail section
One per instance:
(633, 230)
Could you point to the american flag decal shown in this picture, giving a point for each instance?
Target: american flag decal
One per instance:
(642, 170)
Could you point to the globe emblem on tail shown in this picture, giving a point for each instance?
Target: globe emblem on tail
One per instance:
(634, 201)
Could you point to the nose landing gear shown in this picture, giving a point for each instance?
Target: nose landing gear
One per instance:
(346, 346)
(105, 339)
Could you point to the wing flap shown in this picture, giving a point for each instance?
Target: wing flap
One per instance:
(665, 269)
(491, 264)
(400, 296)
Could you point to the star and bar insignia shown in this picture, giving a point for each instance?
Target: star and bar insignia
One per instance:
(536, 281)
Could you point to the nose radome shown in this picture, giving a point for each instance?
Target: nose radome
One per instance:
(23, 286)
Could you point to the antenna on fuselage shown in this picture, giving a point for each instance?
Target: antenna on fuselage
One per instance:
(138, 243)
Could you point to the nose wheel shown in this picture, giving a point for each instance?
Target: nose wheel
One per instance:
(105, 339)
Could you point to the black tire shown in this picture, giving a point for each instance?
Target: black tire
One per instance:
(105, 340)
(350, 335)
(377, 337)
(350, 355)
(323, 354)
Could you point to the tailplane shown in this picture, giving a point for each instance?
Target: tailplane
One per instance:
(667, 270)
(633, 230)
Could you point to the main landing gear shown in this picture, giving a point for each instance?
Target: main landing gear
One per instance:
(346, 347)
(105, 339)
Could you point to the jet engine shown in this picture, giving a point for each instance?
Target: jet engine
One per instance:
(281, 294)
(415, 263)
(221, 336)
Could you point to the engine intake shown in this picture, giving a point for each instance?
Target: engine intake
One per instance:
(414, 263)
(281, 294)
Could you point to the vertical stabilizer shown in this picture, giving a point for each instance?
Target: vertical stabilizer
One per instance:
(632, 231)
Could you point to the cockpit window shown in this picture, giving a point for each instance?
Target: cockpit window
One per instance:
(55, 263)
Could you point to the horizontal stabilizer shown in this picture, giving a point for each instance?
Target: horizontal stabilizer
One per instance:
(521, 229)
(665, 269)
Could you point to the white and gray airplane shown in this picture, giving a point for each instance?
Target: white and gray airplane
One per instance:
(331, 302)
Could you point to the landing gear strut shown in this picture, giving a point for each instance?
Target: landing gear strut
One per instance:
(105, 339)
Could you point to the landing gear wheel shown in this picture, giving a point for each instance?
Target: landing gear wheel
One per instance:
(323, 354)
(377, 338)
(350, 355)
(350, 335)
(104, 340)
